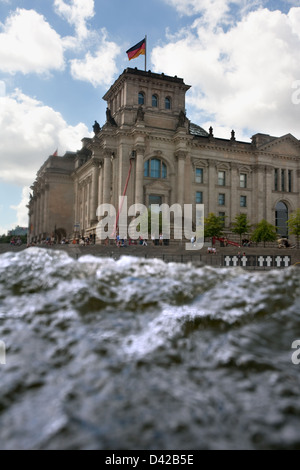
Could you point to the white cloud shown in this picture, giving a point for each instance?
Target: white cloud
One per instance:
(241, 77)
(214, 12)
(77, 12)
(100, 68)
(21, 209)
(29, 133)
(29, 44)
(2, 88)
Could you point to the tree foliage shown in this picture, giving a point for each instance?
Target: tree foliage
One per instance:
(264, 232)
(213, 226)
(241, 225)
(294, 225)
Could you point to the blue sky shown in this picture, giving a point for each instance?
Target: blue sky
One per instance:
(59, 57)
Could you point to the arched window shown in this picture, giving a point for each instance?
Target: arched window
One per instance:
(141, 98)
(167, 103)
(155, 168)
(281, 217)
(154, 101)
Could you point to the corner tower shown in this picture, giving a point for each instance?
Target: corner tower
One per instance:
(157, 99)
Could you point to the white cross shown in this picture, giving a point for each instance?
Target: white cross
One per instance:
(286, 260)
(244, 260)
(227, 260)
(278, 261)
(261, 260)
(235, 260)
(269, 260)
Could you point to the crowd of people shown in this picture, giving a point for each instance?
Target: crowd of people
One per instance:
(155, 241)
(16, 241)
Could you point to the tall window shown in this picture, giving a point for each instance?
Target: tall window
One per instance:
(243, 201)
(199, 175)
(141, 98)
(221, 178)
(199, 197)
(243, 180)
(155, 168)
(154, 101)
(221, 199)
(167, 103)
(282, 180)
(276, 179)
(290, 181)
(281, 218)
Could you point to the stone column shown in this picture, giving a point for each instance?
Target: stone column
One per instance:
(46, 209)
(234, 202)
(107, 177)
(139, 175)
(94, 193)
(180, 155)
(268, 192)
(100, 183)
(258, 193)
(38, 214)
(33, 217)
(212, 192)
(76, 204)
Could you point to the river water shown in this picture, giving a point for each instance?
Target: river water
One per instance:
(139, 354)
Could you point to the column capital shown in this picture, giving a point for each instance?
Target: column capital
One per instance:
(96, 162)
(181, 155)
(140, 149)
(108, 153)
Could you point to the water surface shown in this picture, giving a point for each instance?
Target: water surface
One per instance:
(140, 354)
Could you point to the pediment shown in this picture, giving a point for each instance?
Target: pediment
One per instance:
(158, 185)
(285, 145)
(244, 169)
(197, 162)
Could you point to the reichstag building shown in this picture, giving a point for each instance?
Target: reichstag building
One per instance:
(149, 150)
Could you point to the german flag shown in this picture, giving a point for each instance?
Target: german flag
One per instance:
(135, 51)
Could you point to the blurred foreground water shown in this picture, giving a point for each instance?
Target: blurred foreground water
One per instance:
(140, 354)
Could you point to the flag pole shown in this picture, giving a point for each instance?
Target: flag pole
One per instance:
(145, 53)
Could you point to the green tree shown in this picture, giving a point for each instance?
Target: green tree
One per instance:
(264, 232)
(213, 225)
(294, 225)
(241, 225)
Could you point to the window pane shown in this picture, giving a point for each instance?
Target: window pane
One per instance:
(221, 199)
(167, 103)
(199, 175)
(243, 201)
(290, 180)
(155, 168)
(141, 98)
(282, 180)
(221, 178)
(164, 171)
(281, 217)
(154, 101)
(199, 197)
(146, 168)
(276, 179)
(243, 180)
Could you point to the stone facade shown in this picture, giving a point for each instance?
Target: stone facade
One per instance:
(150, 147)
(51, 205)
